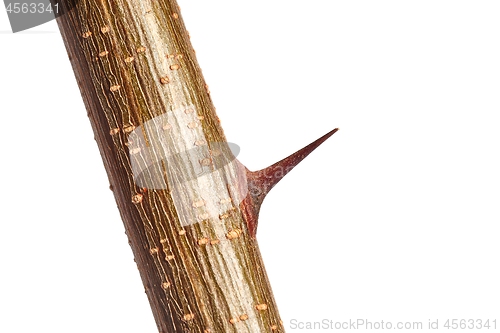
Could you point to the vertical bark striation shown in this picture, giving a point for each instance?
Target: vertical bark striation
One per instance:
(160, 140)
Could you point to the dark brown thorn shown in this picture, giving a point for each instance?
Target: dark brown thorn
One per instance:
(262, 181)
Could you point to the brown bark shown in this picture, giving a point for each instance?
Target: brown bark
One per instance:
(188, 206)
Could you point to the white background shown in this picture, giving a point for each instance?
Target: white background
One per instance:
(395, 218)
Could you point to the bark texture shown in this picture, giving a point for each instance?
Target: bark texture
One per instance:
(188, 206)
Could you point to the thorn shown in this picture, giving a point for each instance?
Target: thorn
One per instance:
(262, 181)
